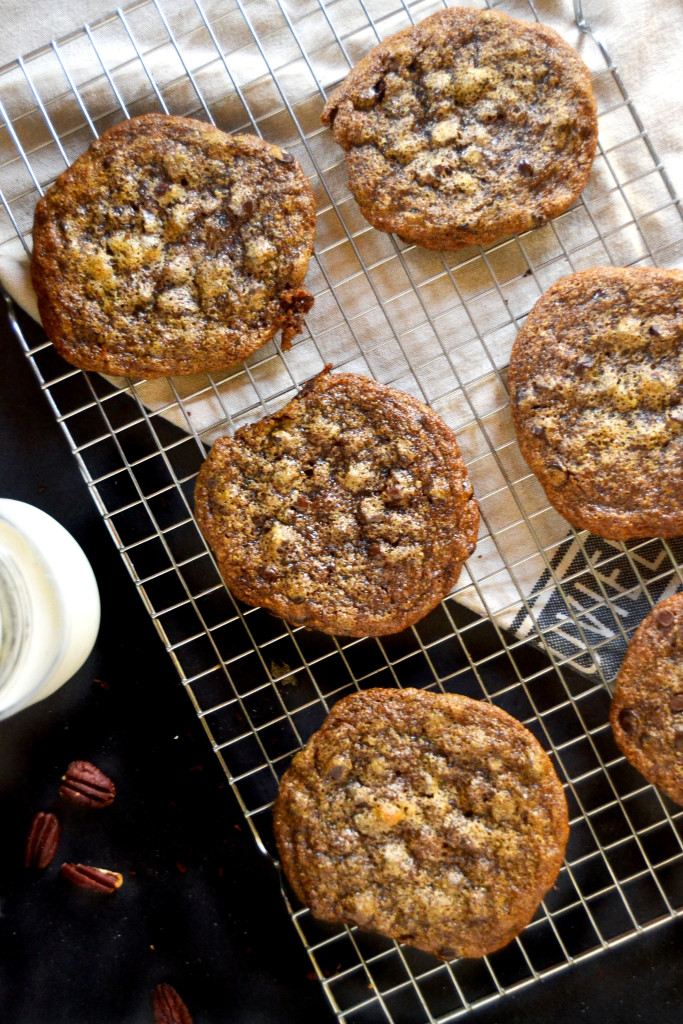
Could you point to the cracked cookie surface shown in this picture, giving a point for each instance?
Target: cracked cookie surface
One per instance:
(466, 127)
(647, 709)
(171, 247)
(432, 818)
(350, 510)
(596, 391)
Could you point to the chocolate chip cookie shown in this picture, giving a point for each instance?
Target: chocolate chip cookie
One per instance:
(647, 708)
(171, 247)
(596, 388)
(432, 818)
(349, 510)
(466, 127)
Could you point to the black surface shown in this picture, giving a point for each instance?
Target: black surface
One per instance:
(199, 907)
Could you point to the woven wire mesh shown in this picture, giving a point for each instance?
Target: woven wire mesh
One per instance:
(437, 325)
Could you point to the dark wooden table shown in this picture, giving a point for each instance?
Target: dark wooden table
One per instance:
(199, 908)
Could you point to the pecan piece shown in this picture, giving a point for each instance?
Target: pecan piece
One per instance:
(665, 618)
(557, 475)
(42, 840)
(94, 879)
(85, 784)
(628, 719)
(168, 1007)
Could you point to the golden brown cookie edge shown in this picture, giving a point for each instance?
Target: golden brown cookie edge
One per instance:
(506, 929)
(637, 664)
(44, 265)
(367, 625)
(452, 237)
(592, 517)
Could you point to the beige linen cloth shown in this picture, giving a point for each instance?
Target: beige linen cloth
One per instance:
(508, 578)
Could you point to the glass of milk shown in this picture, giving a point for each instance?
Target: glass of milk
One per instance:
(49, 606)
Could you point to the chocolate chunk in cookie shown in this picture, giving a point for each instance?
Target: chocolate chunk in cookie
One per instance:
(432, 818)
(171, 247)
(596, 389)
(350, 510)
(466, 127)
(647, 709)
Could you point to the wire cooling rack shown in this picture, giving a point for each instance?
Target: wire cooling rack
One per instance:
(539, 628)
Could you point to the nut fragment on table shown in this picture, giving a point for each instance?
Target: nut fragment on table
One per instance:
(85, 784)
(94, 879)
(168, 1007)
(42, 840)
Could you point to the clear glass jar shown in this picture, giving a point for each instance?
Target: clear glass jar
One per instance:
(49, 606)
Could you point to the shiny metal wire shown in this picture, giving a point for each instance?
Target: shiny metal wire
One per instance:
(384, 307)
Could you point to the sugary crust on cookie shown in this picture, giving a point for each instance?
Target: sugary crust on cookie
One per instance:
(432, 818)
(596, 386)
(171, 247)
(350, 510)
(466, 127)
(647, 709)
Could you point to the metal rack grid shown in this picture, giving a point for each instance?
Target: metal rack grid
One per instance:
(439, 326)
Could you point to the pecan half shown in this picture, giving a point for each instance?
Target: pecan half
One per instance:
(94, 879)
(85, 784)
(168, 1007)
(42, 840)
